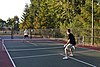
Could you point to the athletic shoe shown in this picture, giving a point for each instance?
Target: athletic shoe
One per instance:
(71, 55)
(65, 58)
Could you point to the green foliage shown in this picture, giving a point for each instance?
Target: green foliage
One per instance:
(41, 14)
(2, 22)
(13, 23)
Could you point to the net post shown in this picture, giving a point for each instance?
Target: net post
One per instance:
(1, 45)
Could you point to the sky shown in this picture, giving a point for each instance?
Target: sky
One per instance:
(11, 8)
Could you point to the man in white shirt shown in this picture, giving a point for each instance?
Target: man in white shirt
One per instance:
(25, 33)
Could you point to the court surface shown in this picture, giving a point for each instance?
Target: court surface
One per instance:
(47, 53)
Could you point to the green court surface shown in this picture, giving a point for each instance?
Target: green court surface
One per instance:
(48, 54)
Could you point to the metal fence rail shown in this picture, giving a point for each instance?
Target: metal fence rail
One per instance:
(83, 36)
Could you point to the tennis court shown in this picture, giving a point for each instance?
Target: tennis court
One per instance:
(38, 52)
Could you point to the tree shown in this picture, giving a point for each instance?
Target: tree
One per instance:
(13, 23)
(56, 13)
(24, 18)
(16, 24)
(2, 23)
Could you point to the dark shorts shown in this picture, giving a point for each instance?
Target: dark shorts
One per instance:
(25, 36)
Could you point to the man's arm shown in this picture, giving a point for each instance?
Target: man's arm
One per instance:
(67, 43)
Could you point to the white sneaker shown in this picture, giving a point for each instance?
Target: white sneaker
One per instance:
(71, 55)
(65, 58)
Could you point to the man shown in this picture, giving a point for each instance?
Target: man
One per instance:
(25, 33)
(69, 45)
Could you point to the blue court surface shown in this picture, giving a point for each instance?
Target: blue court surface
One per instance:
(47, 53)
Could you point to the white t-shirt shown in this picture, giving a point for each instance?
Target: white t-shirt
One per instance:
(26, 32)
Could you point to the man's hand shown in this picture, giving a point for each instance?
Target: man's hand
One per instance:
(65, 45)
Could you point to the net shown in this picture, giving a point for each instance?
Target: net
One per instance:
(82, 35)
(0, 44)
(39, 40)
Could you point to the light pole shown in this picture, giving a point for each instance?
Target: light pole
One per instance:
(92, 40)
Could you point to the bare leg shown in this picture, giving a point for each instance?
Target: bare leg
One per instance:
(71, 52)
(66, 52)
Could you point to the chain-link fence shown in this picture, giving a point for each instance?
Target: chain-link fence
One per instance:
(51, 33)
(83, 36)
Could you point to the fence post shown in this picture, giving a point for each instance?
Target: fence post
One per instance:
(83, 40)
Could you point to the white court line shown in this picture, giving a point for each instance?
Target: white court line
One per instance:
(81, 61)
(33, 44)
(46, 44)
(83, 51)
(34, 49)
(8, 54)
(18, 46)
(45, 55)
(34, 56)
(36, 40)
(57, 54)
